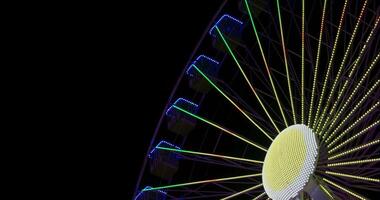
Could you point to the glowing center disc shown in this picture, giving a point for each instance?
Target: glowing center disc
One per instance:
(290, 162)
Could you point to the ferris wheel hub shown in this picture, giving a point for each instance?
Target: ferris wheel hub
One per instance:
(290, 163)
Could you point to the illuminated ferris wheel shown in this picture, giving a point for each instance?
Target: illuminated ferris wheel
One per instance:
(279, 100)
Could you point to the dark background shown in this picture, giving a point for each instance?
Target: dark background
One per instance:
(167, 35)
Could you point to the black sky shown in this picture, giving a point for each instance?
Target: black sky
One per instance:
(167, 35)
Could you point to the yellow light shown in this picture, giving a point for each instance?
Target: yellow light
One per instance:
(344, 189)
(352, 176)
(290, 162)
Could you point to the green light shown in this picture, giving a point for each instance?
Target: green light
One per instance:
(286, 61)
(266, 66)
(220, 127)
(201, 182)
(232, 102)
(209, 154)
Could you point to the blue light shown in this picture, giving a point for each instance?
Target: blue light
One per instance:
(159, 145)
(222, 18)
(198, 58)
(181, 100)
(146, 188)
(188, 70)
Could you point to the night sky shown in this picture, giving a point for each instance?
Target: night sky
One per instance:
(168, 36)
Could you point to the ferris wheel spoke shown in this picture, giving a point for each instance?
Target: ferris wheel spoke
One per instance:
(353, 150)
(356, 89)
(220, 127)
(236, 106)
(352, 137)
(353, 176)
(332, 87)
(353, 110)
(260, 195)
(352, 125)
(303, 64)
(330, 63)
(242, 192)
(355, 162)
(326, 191)
(210, 154)
(285, 60)
(264, 59)
(342, 64)
(201, 182)
(343, 189)
(245, 77)
(317, 63)
(341, 91)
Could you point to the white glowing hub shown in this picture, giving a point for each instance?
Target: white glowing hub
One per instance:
(290, 162)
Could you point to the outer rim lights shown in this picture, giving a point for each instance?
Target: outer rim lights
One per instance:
(181, 101)
(221, 19)
(290, 162)
(162, 143)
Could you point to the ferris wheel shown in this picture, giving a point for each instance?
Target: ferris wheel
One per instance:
(279, 100)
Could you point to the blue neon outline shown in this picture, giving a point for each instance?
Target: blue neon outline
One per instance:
(225, 15)
(187, 101)
(206, 57)
(158, 145)
(188, 69)
(145, 188)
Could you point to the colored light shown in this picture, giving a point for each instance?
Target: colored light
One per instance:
(222, 18)
(356, 63)
(197, 59)
(353, 137)
(232, 102)
(353, 150)
(355, 162)
(352, 176)
(242, 192)
(356, 89)
(352, 125)
(317, 63)
(262, 194)
(249, 83)
(147, 188)
(179, 100)
(342, 65)
(201, 182)
(210, 154)
(265, 63)
(330, 64)
(286, 61)
(159, 145)
(303, 64)
(344, 189)
(326, 191)
(221, 128)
